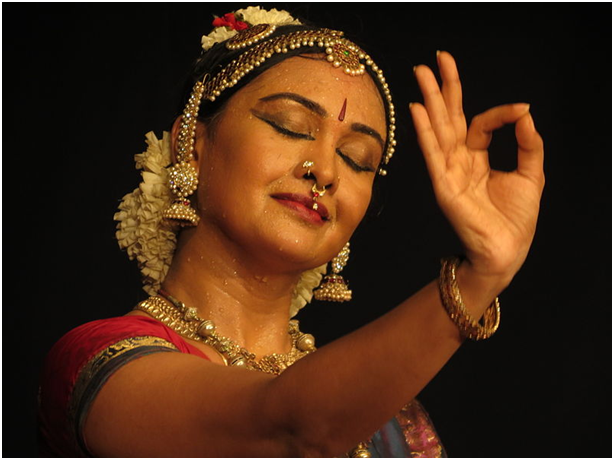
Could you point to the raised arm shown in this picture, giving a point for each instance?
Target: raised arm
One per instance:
(494, 214)
(364, 378)
(389, 361)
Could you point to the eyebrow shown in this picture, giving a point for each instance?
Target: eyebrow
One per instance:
(320, 111)
(308, 103)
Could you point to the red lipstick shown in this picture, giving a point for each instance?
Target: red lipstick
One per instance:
(304, 205)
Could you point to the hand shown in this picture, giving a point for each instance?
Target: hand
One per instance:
(494, 213)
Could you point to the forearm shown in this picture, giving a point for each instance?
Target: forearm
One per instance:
(348, 389)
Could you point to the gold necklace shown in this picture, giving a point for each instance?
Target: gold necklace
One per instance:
(186, 322)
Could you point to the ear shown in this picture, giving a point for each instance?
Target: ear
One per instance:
(201, 132)
(174, 135)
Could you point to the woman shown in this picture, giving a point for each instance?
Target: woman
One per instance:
(274, 159)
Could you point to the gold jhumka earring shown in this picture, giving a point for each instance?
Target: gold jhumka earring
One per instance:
(333, 287)
(183, 177)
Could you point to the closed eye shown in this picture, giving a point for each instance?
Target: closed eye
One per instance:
(286, 132)
(352, 164)
(294, 135)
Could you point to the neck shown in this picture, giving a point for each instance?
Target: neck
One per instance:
(248, 302)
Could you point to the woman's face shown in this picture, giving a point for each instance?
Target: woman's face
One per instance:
(253, 183)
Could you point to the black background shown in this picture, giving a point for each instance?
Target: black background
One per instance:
(83, 83)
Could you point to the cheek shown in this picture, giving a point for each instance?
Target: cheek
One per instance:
(237, 173)
(247, 146)
(354, 200)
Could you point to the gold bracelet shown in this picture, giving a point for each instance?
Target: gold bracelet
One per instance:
(454, 305)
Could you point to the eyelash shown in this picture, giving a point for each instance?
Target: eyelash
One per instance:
(294, 135)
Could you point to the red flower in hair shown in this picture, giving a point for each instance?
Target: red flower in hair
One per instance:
(229, 20)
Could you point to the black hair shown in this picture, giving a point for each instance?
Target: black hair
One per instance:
(218, 57)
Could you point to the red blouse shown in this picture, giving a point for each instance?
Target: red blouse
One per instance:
(81, 362)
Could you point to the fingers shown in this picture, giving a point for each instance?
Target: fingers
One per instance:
(441, 125)
(427, 140)
(530, 149)
(482, 126)
(530, 144)
(436, 107)
(444, 105)
(452, 93)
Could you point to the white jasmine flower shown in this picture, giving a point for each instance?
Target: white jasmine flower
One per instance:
(303, 292)
(256, 15)
(218, 35)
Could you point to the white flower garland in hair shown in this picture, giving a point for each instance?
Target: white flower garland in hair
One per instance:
(142, 231)
(231, 23)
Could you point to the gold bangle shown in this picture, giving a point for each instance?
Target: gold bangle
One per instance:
(453, 303)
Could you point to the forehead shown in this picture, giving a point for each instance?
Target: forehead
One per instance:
(314, 77)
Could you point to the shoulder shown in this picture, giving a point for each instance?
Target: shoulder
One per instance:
(82, 360)
(99, 332)
(83, 342)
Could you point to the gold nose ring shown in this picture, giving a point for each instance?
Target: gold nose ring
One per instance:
(308, 164)
(318, 193)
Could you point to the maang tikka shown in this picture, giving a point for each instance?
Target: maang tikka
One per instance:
(183, 177)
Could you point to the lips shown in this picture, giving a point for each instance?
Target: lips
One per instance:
(303, 204)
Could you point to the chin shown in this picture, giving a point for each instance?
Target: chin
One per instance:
(292, 250)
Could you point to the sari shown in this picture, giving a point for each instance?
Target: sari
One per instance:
(83, 360)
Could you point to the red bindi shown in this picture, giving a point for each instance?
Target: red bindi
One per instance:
(342, 113)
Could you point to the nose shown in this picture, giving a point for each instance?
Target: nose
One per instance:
(321, 170)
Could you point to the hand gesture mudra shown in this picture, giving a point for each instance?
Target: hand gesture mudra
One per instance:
(494, 213)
